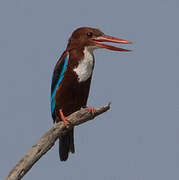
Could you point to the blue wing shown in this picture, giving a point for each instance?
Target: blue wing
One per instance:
(57, 78)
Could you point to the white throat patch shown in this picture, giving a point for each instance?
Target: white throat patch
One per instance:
(85, 66)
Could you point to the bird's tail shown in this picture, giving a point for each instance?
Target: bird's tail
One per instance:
(66, 145)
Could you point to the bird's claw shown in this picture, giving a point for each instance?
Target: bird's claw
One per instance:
(64, 119)
(92, 110)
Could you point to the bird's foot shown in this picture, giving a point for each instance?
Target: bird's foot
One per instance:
(64, 119)
(92, 110)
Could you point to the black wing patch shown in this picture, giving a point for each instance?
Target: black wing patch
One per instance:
(56, 80)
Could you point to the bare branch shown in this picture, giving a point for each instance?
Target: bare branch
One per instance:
(47, 141)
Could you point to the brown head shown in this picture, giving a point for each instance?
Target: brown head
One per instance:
(91, 37)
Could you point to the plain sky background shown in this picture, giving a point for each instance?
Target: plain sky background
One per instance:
(138, 139)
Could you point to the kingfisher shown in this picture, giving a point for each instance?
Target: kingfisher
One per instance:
(72, 78)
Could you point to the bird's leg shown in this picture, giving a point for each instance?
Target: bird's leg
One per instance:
(91, 109)
(64, 119)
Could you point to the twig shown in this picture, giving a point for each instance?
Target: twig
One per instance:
(47, 141)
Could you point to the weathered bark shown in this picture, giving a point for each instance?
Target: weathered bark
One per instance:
(47, 141)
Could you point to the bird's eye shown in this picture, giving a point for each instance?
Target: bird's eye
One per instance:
(89, 34)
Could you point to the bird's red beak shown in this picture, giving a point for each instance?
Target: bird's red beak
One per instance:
(105, 38)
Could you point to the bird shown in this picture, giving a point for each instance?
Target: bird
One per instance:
(72, 78)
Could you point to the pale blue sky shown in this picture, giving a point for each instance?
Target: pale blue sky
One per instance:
(138, 139)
